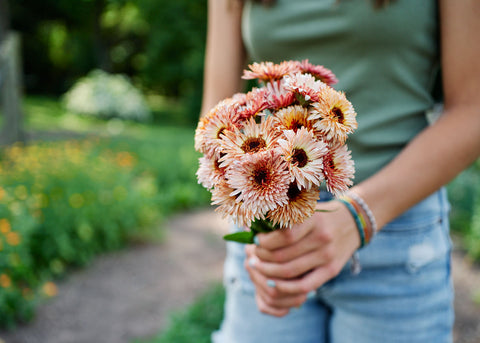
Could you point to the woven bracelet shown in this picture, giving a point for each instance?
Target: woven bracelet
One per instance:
(358, 222)
(366, 209)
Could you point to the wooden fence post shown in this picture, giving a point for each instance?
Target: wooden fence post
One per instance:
(11, 90)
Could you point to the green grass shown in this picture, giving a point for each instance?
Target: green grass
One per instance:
(197, 322)
(52, 193)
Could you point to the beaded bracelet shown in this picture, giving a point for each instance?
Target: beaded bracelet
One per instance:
(367, 210)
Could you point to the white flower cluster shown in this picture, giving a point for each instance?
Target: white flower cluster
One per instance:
(105, 95)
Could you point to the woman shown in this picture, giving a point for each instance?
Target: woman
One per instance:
(296, 285)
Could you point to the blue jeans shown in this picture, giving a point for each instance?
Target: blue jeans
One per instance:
(404, 292)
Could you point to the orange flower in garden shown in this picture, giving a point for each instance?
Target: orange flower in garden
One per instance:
(124, 159)
(5, 281)
(4, 226)
(50, 289)
(13, 238)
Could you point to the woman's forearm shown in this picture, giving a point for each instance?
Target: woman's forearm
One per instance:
(443, 150)
(225, 54)
(430, 161)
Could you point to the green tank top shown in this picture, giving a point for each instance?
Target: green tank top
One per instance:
(386, 61)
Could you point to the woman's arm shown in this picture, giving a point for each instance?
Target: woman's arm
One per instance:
(302, 259)
(225, 54)
(443, 150)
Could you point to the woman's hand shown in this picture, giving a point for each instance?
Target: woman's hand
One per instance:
(289, 264)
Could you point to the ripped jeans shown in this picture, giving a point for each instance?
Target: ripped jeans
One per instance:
(404, 292)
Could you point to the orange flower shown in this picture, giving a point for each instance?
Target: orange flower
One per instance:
(50, 289)
(4, 226)
(5, 281)
(268, 71)
(13, 238)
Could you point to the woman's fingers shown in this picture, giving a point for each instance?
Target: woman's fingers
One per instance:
(267, 309)
(269, 298)
(291, 269)
(309, 281)
(282, 237)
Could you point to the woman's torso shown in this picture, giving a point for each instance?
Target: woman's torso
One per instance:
(386, 61)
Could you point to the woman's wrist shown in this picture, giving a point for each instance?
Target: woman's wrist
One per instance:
(364, 219)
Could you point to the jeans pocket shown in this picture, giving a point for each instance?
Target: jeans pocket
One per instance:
(413, 244)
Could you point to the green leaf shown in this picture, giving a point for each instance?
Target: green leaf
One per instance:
(240, 237)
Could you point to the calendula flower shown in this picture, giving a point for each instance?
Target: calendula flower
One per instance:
(305, 85)
(300, 206)
(268, 71)
(319, 72)
(304, 154)
(260, 180)
(210, 172)
(229, 205)
(333, 115)
(278, 97)
(256, 102)
(212, 127)
(338, 169)
(293, 118)
(251, 139)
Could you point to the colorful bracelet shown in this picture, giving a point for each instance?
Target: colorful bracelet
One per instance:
(356, 217)
(367, 211)
(363, 216)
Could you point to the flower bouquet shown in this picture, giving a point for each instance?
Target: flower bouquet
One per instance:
(267, 152)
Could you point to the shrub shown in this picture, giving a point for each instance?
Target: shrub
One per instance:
(107, 96)
(60, 204)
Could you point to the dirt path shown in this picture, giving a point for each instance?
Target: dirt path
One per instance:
(129, 294)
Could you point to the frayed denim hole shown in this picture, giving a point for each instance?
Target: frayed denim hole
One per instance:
(425, 252)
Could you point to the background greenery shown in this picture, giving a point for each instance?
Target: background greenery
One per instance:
(84, 189)
(157, 43)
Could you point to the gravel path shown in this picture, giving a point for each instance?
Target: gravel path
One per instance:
(129, 294)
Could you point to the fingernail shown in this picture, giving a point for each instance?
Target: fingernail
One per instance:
(311, 295)
(271, 283)
(256, 241)
(252, 261)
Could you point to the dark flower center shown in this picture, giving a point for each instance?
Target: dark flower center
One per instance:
(328, 162)
(300, 157)
(337, 112)
(260, 176)
(293, 192)
(253, 144)
(295, 125)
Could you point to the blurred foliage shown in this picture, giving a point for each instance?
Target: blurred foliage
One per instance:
(197, 322)
(158, 43)
(64, 201)
(105, 95)
(464, 194)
